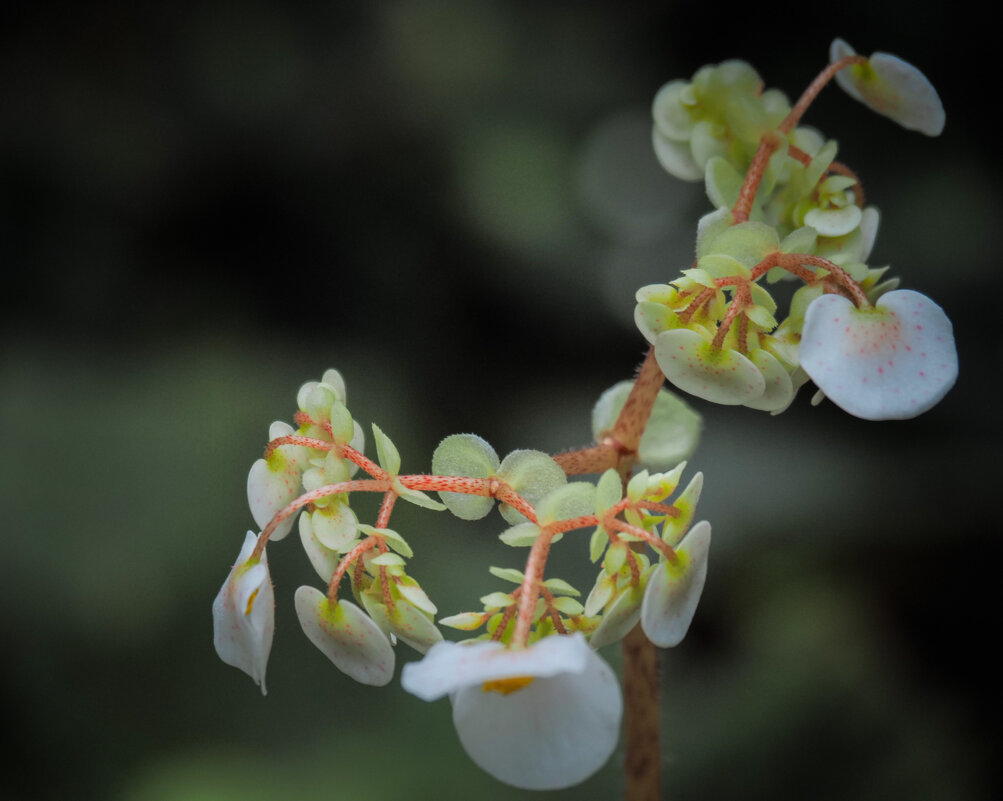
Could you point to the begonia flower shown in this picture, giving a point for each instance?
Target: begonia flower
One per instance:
(674, 589)
(347, 636)
(892, 87)
(892, 361)
(540, 718)
(243, 614)
(274, 482)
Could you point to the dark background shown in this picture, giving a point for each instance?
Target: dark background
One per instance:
(453, 203)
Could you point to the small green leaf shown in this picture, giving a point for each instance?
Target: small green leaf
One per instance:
(465, 621)
(576, 499)
(470, 456)
(392, 538)
(387, 454)
(616, 556)
(720, 265)
(412, 592)
(801, 240)
(672, 433)
(494, 600)
(637, 486)
(560, 587)
(568, 606)
(387, 559)
(417, 497)
(609, 491)
(532, 474)
(523, 534)
(507, 574)
(748, 242)
(598, 543)
(342, 425)
(699, 276)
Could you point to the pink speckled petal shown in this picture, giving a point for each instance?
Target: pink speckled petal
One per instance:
(693, 364)
(347, 636)
(891, 362)
(779, 391)
(273, 483)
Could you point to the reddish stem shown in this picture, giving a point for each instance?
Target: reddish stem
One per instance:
(530, 586)
(653, 540)
(467, 486)
(772, 139)
(358, 485)
(816, 86)
(363, 461)
(597, 459)
(356, 553)
(747, 194)
(296, 439)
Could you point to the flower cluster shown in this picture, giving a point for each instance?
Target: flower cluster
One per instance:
(784, 207)
(533, 702)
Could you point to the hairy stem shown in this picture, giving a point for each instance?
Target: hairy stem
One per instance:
(642, 764)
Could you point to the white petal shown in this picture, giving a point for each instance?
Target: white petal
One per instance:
(675, 157)
(619, 619)
(408, 623)
(892, 87)
(834, 222)
(779, 390)
(450, 666)
(693, 364)
(335, 525)
(324, 560)
(270, 486)
(347, 636)
(244, 615)
(555, 732)
(891, 362)
(674, 591)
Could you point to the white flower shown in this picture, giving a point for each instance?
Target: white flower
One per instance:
(673, 591)
(890, 362)
(275, 482)
(347, 636)
(539, 718)
(243, 614)
(892, 87)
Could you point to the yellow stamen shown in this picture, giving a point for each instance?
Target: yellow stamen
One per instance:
(250, 602)
(506, 686)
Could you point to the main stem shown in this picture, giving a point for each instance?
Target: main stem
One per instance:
(617, 448)
(642, 764)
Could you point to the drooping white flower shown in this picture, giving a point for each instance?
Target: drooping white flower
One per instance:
(539, 718)
(674, 589)
(243, 614)
(892, 87)
(890, 362)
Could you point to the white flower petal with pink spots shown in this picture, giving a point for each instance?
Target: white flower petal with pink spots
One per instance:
(779, 391)
(347, 636)
(273, 483)
(890, 362)
(693, 364)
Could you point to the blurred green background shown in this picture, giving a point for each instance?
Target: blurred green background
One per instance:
(453, 203)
